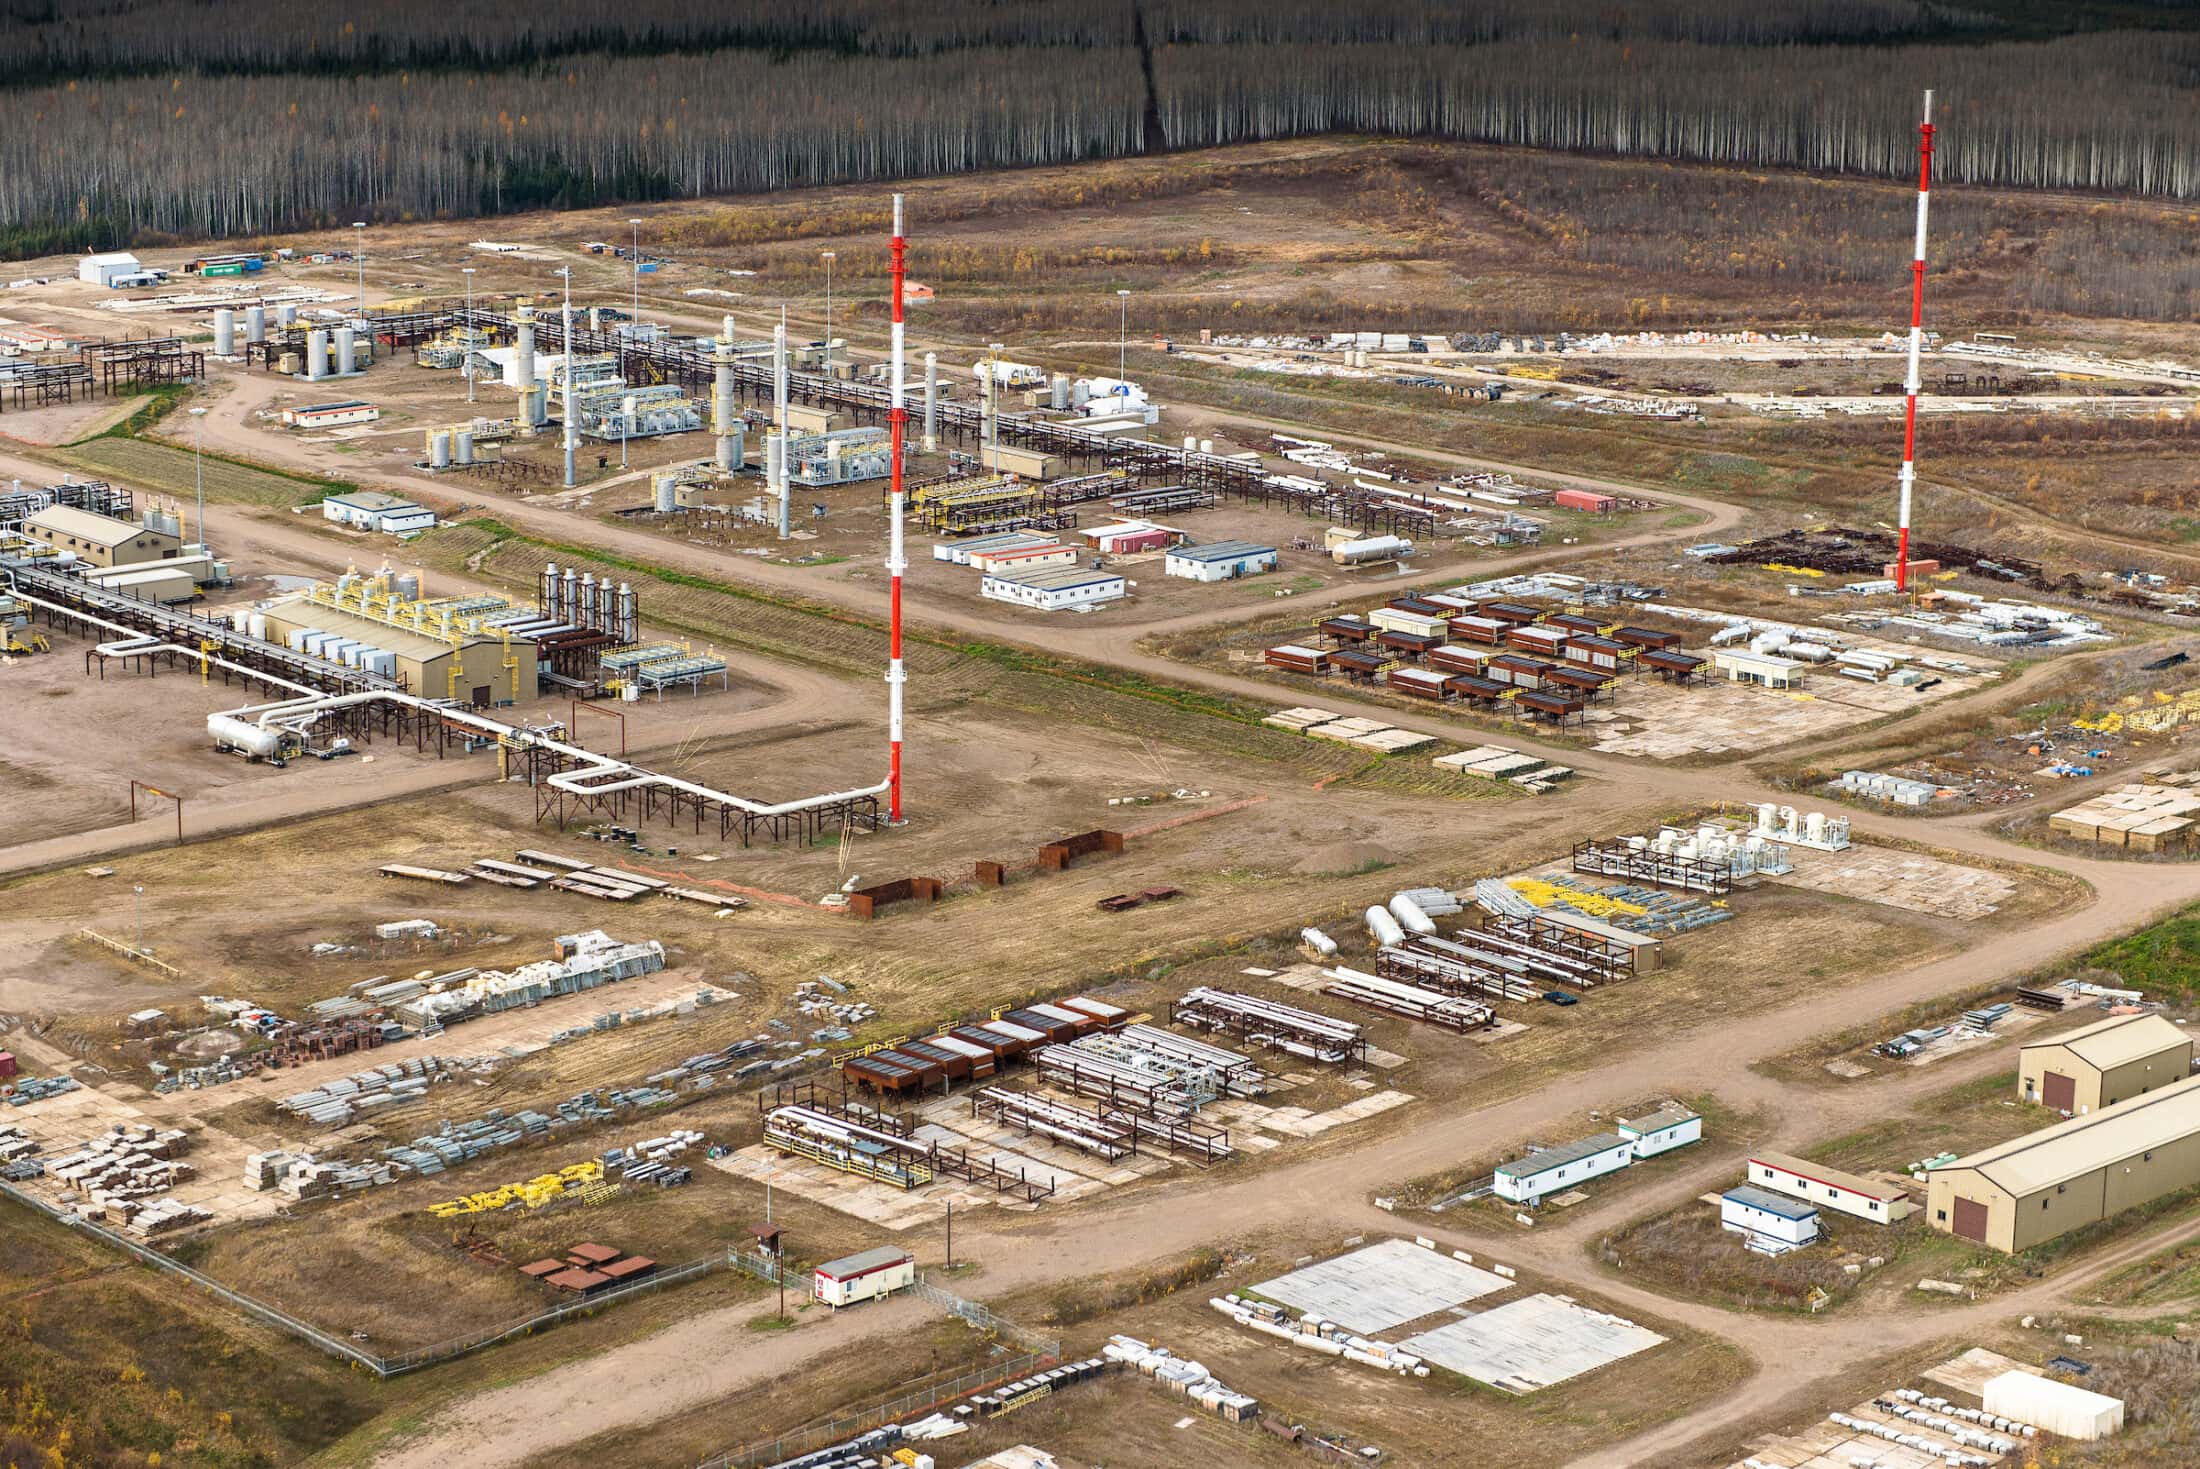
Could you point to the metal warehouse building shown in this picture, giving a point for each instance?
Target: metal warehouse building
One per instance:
(1219, 561)
(101, 539)
(2099, 1065)
(2064, 1177)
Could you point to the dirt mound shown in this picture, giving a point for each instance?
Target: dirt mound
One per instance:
(1344, 857)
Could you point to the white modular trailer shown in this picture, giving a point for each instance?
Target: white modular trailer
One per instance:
(1769, 1223)
(1661, 1131)
(1555, 1170)
(863, 1277)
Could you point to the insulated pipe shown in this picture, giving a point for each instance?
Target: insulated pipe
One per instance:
(931, 401)
(897, 419)
(1917, 338)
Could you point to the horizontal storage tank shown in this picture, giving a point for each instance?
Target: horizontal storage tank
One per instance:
(1410, 915)
(231, 733)
(1371, 548)
(1385, 928)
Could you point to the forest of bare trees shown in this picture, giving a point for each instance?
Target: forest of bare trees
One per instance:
(125, 120)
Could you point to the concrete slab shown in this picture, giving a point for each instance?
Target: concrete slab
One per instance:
(1382, 1286)
(1531, 1343)
(1911, 881)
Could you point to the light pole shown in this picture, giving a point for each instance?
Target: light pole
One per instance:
(636, 319)
(468, 272)
(359, 253)
(828, 254)
(198, 467)
(1123, 335)
(137, 926)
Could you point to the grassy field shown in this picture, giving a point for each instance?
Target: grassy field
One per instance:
(2162, 959)
(169, 470)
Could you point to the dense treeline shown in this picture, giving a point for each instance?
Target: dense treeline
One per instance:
(92, 38)
(225, 117)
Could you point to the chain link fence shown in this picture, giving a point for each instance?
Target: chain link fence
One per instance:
(862, 1420)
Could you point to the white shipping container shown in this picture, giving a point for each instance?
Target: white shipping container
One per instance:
(2057, 1407)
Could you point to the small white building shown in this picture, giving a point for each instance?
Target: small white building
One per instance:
(2059, 1407)
(1740, 665)
(1769, 1223)
(863, 1277)
(105, 270)
(1831, 1188)
(1554, 1170)
(1661, 1131)
(1055, 589)
(1015, 560)
(1219, 561)
(331, 415)
(375, 511)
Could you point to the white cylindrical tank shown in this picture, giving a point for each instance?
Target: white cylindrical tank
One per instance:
(462, 446)
(1410, 914)
(1768, 816)
(316, 355)
(1371, 548)
(256, 625)
(1321, 943)
(439, 448)
(931, 401)
(1206, 446)
(1814, 826)
(225, 333)
(408, 586)
(1058, 392)
(237, 621)
(255, 325)
(347, 349)
(1191, 443)
(668, 494)
(231, 733)
(1384, 927)
(286, 315)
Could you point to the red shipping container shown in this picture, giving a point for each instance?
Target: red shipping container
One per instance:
(1588, 500)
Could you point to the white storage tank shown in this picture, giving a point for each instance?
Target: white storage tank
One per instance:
(439, 449)
(1410, 915)
(256, 625)
(462, 446)
(1384, 927)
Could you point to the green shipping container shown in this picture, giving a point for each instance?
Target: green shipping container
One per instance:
(232, 269)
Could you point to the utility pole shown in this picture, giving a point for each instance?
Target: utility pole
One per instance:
(636, 318)
(198, 467)
(950, 1234)
(828, 254)
(359, 253)
(137, 925)
(1123, 335)
(468, 271)
(572, 429)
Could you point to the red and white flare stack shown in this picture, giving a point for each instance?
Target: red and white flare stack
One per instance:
(1917, 342)
(896, 562)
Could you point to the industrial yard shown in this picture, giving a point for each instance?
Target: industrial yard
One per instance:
(1282, 800)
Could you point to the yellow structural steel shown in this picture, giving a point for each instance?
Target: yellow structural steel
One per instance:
(1596, 905)
(532, 1193)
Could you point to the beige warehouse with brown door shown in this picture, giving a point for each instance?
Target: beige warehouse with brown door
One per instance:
(101, 539)
(2104, 1063)
(2047, 1183)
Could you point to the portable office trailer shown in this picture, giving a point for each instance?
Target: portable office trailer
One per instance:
(1581, 681)
(863, 1277)
(1661, 1131)
(1347, 629)
(1580, 623)
(1675, 667)
(1557, 708)
(1555, 1170)
(1771, 1224)
(1480, 690)
(1829, 1188)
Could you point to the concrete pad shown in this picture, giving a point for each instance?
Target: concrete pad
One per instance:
(1382, 1286)
(1531, 1343)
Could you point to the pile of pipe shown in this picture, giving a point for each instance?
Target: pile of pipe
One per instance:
(37, 1088)
(591, 959)
(16, 1143)
(1434, 902)
(1315, 1334)
(334, 1103)
(1287, 1028)
(1916, 1441)
(1181, 1375)
(1979, 1416)
(645, 1161)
